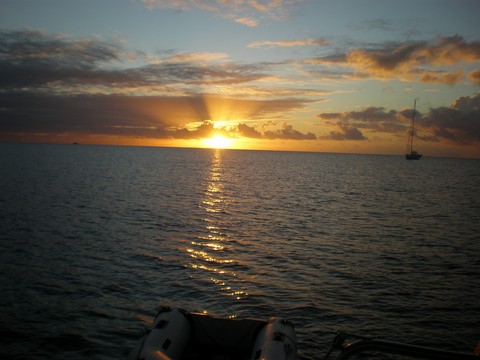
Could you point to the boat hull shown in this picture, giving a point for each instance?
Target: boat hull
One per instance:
(413, 156)
(181, 335)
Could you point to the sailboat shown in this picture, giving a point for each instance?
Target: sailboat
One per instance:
(410, 153)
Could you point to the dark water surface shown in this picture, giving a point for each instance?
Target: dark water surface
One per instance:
(94, 238)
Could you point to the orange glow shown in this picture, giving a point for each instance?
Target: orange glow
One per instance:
(218, 142)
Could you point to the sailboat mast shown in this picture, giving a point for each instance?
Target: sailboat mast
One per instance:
(413, 123)
(412, 130)
(411, 154)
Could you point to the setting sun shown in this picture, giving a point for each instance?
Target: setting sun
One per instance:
(218, 142)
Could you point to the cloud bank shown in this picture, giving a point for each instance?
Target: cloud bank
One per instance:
(55, 84)
(458, 124)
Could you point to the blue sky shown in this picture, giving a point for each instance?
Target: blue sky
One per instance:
(296, 75)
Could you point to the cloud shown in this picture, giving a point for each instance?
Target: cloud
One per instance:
(204, 130)
(475, 76)
(193, 57)
(207, 129)
(28, 45)
(289, 43)
(146, 116)
(248, 131)
(458, 123)
(424, 61)
(247, 21)
(256, 92)
(57, 85)
(442, 77)
(410, 55)
(152, 117)
(376, 119)
(243, 12)
(347, 132)
(288, 133)
(36, 60)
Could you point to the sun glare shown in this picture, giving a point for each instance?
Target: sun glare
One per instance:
(218, 142)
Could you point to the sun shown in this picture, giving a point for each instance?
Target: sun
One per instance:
(218, 142)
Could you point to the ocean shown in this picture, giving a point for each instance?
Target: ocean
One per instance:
(93, 239)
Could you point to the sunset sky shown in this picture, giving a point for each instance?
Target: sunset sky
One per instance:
(304, 75)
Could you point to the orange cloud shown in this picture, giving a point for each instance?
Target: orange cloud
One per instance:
(410, 61)
(475, 76)
(449, 78)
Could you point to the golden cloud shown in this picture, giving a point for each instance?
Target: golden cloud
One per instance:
(475, 76)
(410, 61)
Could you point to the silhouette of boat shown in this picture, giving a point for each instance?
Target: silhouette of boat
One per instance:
(410, 153)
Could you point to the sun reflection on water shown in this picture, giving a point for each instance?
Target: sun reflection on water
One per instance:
(210, 253)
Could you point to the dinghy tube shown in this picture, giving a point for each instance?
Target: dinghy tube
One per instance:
(276, 340)
(166, 339)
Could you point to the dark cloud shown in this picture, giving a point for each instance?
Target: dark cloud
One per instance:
(58, 85)
(194, 74)
(204, 130)
(248, 131)
(347, 132)
(372, 118)
(33, 59)
(458, 123)
(136, 116)
(36, 60)
(96, 114)
(207, 129)
(288, 133)
(30, 45)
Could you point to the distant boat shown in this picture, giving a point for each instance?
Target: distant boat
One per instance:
(410, 153)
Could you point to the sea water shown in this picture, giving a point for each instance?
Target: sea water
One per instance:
(94, 238)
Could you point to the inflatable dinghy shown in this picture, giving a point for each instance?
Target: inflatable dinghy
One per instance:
(180, 335)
